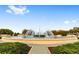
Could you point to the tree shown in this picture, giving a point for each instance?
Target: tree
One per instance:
(75, 30)
(63, 33)
(6, 31)
(16, 34)
(60, 32)
(29, 32)
(55, 32)
(24, 31)
(49, 33)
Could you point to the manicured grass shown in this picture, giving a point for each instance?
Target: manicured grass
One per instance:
(14, 48)
(65, 49)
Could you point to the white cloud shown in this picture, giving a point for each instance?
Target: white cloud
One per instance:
(8, 11)
(17, 10)
(28, 11)
(74, 21)
(66, 22)
(70, 21)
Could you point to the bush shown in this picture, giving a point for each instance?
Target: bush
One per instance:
(14, 48)
(39, 35)
(42, 35)
(65, 49)
(36, 35)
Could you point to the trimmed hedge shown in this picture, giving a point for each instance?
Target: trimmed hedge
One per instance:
(65, 49)
(14, 48)
(36, 35)
(39, 35)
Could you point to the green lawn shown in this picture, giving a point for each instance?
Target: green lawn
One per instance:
(65, 49)
(14, 48)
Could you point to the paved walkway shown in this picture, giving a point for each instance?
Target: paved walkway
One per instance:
(41, 46)
(1, 41)
(38, 49)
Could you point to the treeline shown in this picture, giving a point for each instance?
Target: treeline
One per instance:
(73, 31)
(10, 32)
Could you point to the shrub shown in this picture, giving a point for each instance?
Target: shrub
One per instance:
(14, 48)
(65, 49)
(36, 35)
(42, 35)
(39, 35)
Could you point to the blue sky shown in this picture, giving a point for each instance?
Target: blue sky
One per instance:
(45, 17)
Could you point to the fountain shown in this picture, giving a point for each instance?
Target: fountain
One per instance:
(32, 34)
(39, 35)
(47, 34)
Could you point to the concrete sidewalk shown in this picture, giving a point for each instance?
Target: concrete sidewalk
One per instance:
(38, 49)
(1, 41)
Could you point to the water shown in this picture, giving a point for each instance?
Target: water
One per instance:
(21, 37)
(30, 38)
